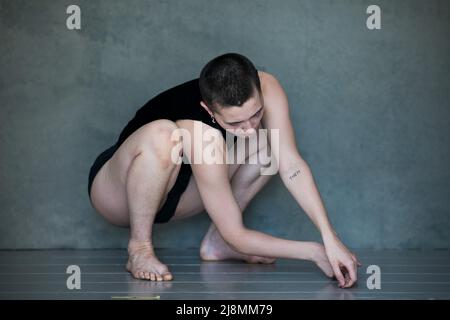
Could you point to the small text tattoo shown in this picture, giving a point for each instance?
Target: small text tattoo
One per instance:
(296, 173)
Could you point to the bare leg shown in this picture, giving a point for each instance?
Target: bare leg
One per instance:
(130, 189)
(144, 199)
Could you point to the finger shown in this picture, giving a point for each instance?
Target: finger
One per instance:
(356, 260)
(338, 274)
(345, 274)
(351, 268)
(359, 263)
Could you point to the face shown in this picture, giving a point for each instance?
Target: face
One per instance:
(240, 120)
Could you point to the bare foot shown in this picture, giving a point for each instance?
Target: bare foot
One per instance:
(214, 248)
(320, 258)
(143, 263)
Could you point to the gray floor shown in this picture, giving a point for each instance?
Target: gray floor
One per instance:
(42, 275)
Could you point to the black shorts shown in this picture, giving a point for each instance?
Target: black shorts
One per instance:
(173, 197)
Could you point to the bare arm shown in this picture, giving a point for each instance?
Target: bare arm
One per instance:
(293, 169)
(298, 179)
(216, 193)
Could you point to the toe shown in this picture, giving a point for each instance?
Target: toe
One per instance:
(250, 259)
(159, 277)
(167, 276)
(162, 269)
(164, 272)
(147, 275)
(152, 276)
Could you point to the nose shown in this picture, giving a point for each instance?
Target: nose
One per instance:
(248, 128)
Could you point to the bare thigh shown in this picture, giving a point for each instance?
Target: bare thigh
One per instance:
(108, 193)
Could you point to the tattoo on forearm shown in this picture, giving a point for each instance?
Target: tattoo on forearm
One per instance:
(296, 173)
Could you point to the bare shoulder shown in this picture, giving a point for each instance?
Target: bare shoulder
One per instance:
(266, 79)
(270, 86)
(276, 112)
(273, 93)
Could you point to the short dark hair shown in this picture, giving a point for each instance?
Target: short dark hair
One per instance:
(228, 80)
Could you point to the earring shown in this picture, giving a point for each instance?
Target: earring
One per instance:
(212, 118)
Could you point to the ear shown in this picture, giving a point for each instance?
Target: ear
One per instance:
(203, 104)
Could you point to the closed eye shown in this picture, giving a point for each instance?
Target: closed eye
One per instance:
(257, 113)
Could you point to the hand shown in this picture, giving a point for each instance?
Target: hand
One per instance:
(343, 262)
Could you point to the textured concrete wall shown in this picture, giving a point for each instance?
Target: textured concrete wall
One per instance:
(371, 111)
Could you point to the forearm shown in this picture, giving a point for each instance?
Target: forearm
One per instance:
(257, 243)
(298, 179)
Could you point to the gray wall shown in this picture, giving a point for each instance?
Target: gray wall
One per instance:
(371, 111)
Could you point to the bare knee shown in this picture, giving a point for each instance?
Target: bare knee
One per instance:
(160, 138)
